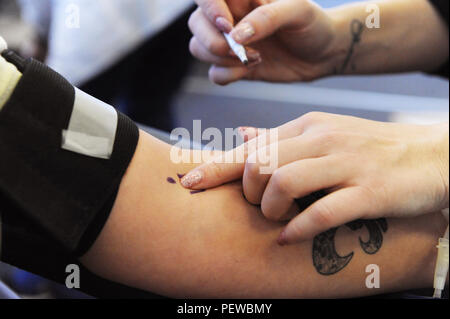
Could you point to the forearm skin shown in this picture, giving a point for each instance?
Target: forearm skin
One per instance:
(412, 37)
(161, 238)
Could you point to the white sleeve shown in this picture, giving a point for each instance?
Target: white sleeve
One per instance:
(38, 14)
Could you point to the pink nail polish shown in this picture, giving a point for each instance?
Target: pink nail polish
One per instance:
(282, 239)
(224, 25)
(243, 32)
(192, 179)
(254, 63)
(253, 56)
(248, 133)
(243, 134)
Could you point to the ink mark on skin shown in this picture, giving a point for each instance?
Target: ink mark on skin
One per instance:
(198, 191)
(171, 180)
(325, 257)
(356, 29)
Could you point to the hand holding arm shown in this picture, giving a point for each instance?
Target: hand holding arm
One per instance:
(369, 170)
(213, 244)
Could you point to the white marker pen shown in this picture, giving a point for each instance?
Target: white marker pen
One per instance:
(238, 49)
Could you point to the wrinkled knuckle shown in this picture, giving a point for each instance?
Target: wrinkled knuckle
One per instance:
(327, 138)
(215, 170)
(281, 182)
(375, 197)
(296, 228)
(268, 14)
(209, 7)
(322, 215)
(312, 118)
(214, 46)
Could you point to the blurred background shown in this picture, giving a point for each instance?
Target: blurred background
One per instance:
(134, 55)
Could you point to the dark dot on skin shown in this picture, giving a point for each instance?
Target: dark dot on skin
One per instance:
(171, 180)
(198, 192)
(180, 176)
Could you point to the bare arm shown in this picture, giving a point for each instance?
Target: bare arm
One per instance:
(297, 40)
(161, 238)
(411, 36)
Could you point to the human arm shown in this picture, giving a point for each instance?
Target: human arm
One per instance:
(296, 40)
(367, 169)
(412, 36)
(161, 238)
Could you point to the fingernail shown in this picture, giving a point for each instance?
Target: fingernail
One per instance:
(253, 55)
(254, 63)
(282, 239)
(192, 179)
(247, 133)
(243, 32)
(242, 134)
(224, 25)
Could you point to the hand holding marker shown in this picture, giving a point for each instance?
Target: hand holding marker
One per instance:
(238, 49)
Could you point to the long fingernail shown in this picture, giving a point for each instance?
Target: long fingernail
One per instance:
(243, 32)
(247, 133)
(224, 25)
(254, 58)
(192, 179)
(242, 133)
(254, 63)
(253, 55)
(282, 239)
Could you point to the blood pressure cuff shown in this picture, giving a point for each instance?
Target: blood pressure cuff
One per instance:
(62, 156)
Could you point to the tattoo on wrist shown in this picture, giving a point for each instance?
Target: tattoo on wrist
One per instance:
(356, 30)
(325, 257)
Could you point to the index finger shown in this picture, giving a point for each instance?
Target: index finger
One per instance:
(230, 166)
(223, 169)
(218, 13)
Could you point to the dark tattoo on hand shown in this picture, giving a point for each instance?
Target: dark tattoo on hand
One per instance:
(328, 262)
(356, 29)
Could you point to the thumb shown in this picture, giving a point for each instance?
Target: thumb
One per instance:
(269, 18)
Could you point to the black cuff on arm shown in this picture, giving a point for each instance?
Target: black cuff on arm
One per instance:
(67, 195)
